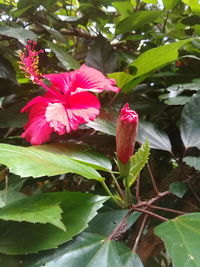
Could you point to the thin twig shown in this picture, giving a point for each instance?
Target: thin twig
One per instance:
(138, 189)
(155, 188)
(140, 232)
(194, 193)
(165, 22)
(113, 98)
(137, 5)
(151, 214)
(166, 209)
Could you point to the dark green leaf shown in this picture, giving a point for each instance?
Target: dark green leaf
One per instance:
(64, 57)
(138, 161)
(6, 70)
(178, 188)
(19, 33)
(157, 138)
(190, 122)
(105, 221)
(11, 117)
(101, 56)
(55, 34)
(31, 161)
(9, 261)
(78, 210)
(181, 237)
(96, 250)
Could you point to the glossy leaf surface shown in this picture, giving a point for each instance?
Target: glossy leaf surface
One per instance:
(78, 210)
(181, 237)
(30, 161)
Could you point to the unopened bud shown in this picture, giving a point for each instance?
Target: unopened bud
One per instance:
(127, 127)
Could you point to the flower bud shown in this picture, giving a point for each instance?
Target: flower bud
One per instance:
(127, 126)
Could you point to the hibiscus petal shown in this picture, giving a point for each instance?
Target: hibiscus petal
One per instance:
(37, 129)
(61, 81)
(56, 115)
(93, 80)
(84, 107)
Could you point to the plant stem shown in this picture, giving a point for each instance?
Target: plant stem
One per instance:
(117, 185)
(151, 214)
(166, 209)
(140, 232)
(111, 195)
(138, 189)
(128, 196)
(120, 228)
(155, 188)
(165, 22)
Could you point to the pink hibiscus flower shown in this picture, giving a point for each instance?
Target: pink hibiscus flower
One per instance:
(66, 104)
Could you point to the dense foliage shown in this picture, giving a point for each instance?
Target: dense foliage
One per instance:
(64, 202)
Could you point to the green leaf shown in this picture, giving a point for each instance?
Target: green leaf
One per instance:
(125, 8)
(96, 250)
(154, 2)
(30, 161)
(40, 208)
(138, 161)
(55, 34)
(78, 210)
(121, 78)
(137, 20)
(169, 4)
(190, 122)
(65, 58)
(106, 221)
(193, 162)
(178, 188)
(181, 237)
(147, 62)
(19, 33)
(155, 58)
(6, 70)
(179, 100)
(103, 125)
(11, 117)
(101, 56)
(82, 153)
(157, 138)
(9, 261)
(193, 4)
(9, 197)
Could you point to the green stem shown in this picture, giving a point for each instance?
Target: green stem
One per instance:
(111, 195)
(117, 185)
(128, 195)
